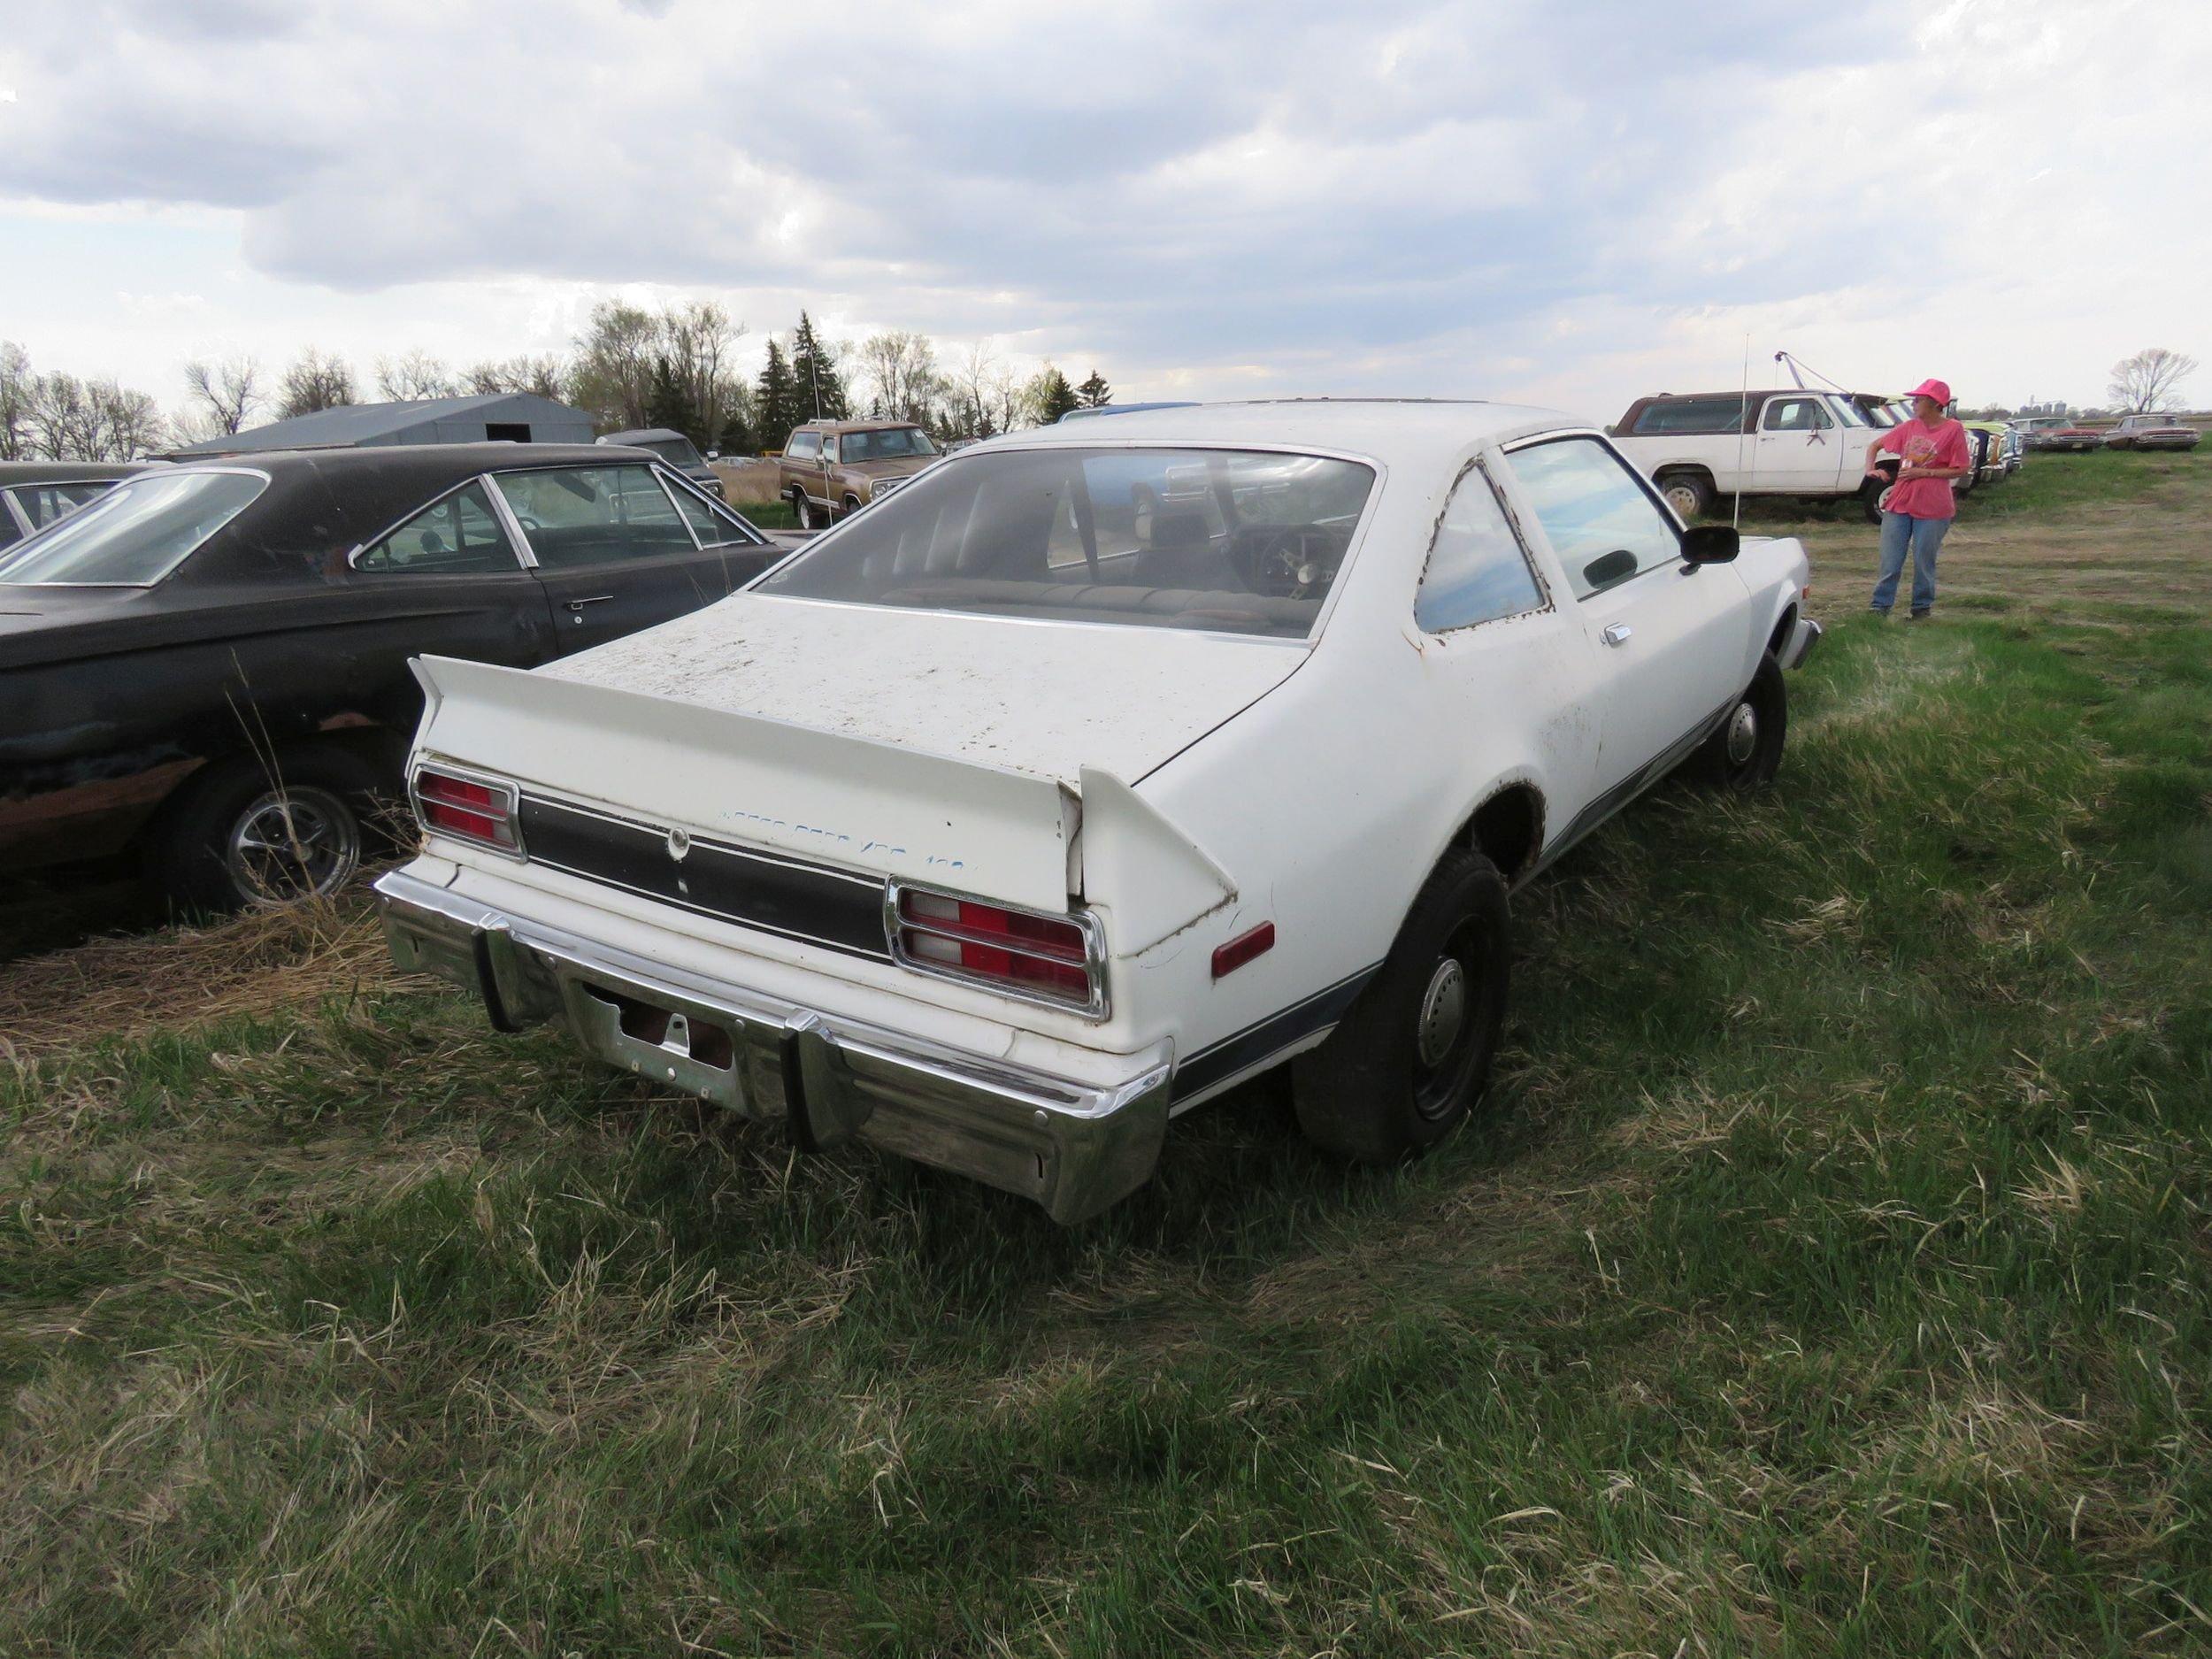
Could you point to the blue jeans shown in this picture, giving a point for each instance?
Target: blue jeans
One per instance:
(1925, 536)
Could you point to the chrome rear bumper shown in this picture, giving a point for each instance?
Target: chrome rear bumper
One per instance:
(1074, 1147)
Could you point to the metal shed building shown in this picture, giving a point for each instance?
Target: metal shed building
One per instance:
(521, 417)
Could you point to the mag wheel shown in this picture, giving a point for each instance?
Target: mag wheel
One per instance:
(250, 834)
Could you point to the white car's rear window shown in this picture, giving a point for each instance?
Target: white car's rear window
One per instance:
(1231, 541)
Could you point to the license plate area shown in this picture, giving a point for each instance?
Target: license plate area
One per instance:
(695, 1050)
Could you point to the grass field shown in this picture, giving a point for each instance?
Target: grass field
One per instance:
(1828, 1277)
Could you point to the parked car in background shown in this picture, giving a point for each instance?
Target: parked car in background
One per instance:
(831, 469)
(1100, 812)
(1698, 447)
(2152, 431)
(35, 494)
(676, 451)
(1996, 451)
(210, 665)
(2074, 436)
(2035, 430)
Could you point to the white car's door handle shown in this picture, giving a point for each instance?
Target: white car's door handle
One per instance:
(1617, 633)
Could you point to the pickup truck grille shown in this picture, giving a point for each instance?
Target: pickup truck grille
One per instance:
(812, 904)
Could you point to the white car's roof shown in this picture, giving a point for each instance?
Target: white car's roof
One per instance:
(1388, 430)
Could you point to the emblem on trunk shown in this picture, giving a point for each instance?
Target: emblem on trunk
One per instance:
(678, 844)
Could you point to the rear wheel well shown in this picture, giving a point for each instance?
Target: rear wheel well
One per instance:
(1509, 829)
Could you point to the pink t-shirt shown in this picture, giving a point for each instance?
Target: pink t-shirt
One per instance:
(1943, 444)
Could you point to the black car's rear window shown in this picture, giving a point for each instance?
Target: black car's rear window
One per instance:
(137, 534)
(1231, 541)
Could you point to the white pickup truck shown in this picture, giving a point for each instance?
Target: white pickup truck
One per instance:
(1098, 769)
(1700, 448)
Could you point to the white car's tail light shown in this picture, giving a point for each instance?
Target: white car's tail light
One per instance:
(468, 807)
(1056, 960)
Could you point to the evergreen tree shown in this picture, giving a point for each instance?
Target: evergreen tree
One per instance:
(1094, 392)
(1051, 396)
(736, 437)
(668, 403)
(776, 401)
(820, 389)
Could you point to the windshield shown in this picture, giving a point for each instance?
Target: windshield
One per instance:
(137, 534)
(1230, 541)
(680, 451)
(889, 443)
(1848, 412)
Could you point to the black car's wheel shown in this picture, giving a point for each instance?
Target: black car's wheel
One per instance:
(245, 833)
(1689, 493)
(1745, 751)
(1410, 1057)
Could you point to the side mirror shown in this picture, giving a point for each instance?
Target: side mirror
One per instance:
(1710, 543)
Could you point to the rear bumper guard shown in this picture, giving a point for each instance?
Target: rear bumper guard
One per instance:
(1074, 1147)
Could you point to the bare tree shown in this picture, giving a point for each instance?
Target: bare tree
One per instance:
(903, 368)
(314, 382)
(1008, 408)
(698, 338)
(70, 419)
(18, 387)
(415, 375)
(546, 376)
(2149, 380)
(970, 381)
(225, 393)
(129, 423)
(613, 377)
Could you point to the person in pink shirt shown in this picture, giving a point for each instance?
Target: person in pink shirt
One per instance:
(1919, 508)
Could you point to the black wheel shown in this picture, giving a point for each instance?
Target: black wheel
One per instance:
(246, 833)
(1689, 493)
(809, 519)
(1410, 1058)
(1870, 499)
(852, 505)
(1746, 751)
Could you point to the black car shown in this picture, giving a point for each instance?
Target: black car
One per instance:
(35, 494)
(675, 450)
(210, 665)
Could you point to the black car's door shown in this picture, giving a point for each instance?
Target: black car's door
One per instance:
(449, 580)
(615, 551)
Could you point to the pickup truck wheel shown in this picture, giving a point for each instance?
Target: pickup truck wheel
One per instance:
(1689, 493)
(1870, 499)
(852, 505)
(1410, 1057)
(248, 833)
(809, 519)
(1746, 751)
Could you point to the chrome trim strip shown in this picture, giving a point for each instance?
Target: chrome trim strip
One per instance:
(515, 546)
(504, 510)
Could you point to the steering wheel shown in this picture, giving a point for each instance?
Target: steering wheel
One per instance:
(1286, 561)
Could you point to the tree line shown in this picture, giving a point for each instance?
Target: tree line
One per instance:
(629, 367)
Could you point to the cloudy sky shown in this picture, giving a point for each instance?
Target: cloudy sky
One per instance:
(1566, 203)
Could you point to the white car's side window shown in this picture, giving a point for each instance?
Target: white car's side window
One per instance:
(1477, 571)
(1601, 522)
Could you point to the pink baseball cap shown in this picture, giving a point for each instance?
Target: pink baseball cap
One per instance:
(1936, 389)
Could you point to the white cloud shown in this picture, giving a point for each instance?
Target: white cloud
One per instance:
(1420, 196)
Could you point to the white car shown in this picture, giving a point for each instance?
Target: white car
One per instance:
(1008, 820)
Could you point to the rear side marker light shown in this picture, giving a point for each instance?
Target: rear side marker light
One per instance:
(478, 809)
(1053, 959)
(1243, 949)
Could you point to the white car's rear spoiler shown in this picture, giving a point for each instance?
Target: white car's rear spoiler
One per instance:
(835, 797)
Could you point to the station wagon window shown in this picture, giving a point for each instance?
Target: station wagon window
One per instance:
(1798, 414)
(136, 534)
(1230, 541)
(590, 515)
(888, 443)
(1690, 414)
(455, 535)
(1601, 522)
(1848, 412)
(1477, 571)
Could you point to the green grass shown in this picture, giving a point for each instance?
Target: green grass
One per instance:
(1829, 1276)
(771, 515)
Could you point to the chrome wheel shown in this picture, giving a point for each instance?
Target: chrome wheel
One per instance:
(291, 844)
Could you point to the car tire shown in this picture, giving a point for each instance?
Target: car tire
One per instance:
(1745, 751)
(248, 832)
(1410, 1058)
(808, 518)
(1689, 493)
(1870, 499)
(852, 505)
